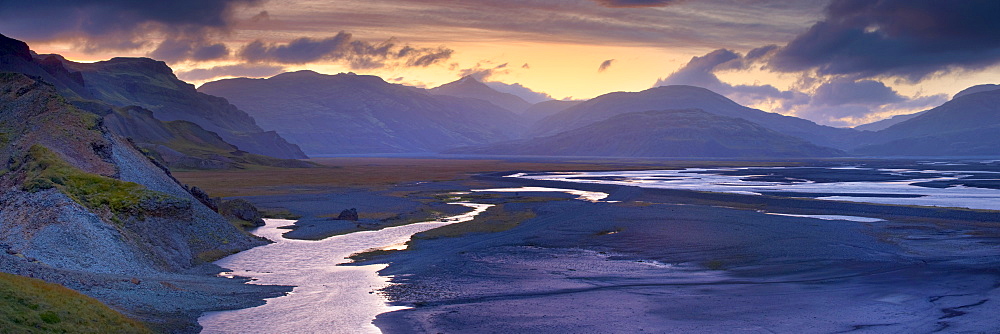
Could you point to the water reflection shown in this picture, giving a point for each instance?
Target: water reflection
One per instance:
(327, 298)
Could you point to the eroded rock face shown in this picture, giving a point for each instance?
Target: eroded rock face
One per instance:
(94, 201)
(243, 210)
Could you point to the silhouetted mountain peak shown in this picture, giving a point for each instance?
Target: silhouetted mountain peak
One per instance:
(976, 89)
(13, 47)
(470, 87)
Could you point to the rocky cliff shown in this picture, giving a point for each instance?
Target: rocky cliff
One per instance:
(83, 207)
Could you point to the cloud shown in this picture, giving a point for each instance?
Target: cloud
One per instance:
(700, 71)
(484, 70)
(831, 100)
(604, 65)
(844, 91)
(263, 16)
(906, 38)
(681, 25)
(343, 47)
(120, 25)
(240, 70)
(517, 89)
(635, 3)
(172, 50)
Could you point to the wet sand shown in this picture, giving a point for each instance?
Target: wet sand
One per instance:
(682, 261)
(661, 260)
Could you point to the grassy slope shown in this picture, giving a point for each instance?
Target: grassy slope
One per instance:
(46, 170)
(29, 305)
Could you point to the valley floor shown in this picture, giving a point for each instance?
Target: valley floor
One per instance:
(652, 260)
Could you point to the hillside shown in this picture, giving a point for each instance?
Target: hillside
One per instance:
(347, 113)
(152, 85)
(164, 92)
(541, 110)
(885, 123)
(185, 145)
(966, 125)
(671, 133)
(689, 97)
(471, 88)
(84, 208)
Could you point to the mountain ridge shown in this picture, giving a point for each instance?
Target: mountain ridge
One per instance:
(662, 133)
(470, 87)
(348, 113)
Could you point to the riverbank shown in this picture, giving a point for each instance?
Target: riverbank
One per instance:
(648, 259)
(692, 261)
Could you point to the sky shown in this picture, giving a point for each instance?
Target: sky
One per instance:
(835, 62)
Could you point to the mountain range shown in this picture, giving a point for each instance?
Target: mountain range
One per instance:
(967, 125)
(665, 133)
(351, 114)
(122, 82)
(470, 87)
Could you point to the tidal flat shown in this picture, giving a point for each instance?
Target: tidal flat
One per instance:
(664, 260)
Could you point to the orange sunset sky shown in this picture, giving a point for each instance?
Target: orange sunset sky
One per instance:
(840, 63)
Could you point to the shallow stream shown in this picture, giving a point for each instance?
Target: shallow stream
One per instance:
(327, 298)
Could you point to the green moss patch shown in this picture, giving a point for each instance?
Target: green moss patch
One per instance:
(45, 170)
(29, 305)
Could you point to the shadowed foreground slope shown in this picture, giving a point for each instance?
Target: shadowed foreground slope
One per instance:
(82, 207)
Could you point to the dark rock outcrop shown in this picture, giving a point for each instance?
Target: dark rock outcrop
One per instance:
(204, 198)
(348, 214)
(241, 209)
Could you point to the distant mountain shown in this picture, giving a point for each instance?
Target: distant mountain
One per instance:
(966, 125)
(152, 85)
(671, 133)
(183, 144)
(15, 56)
(689, 97)
(146, 83)
(541, 110)
(347, 113)
(885, 123)
(472, 88)
(976, 89)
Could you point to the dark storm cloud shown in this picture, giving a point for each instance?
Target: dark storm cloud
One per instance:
(605, 65)
(844, 91)
(343, 47)
(702, 24)
(97, 19)
(635, 3)
(907, 38)
(172, 50)
(836, 100)
(700, 71)
(241, 70)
